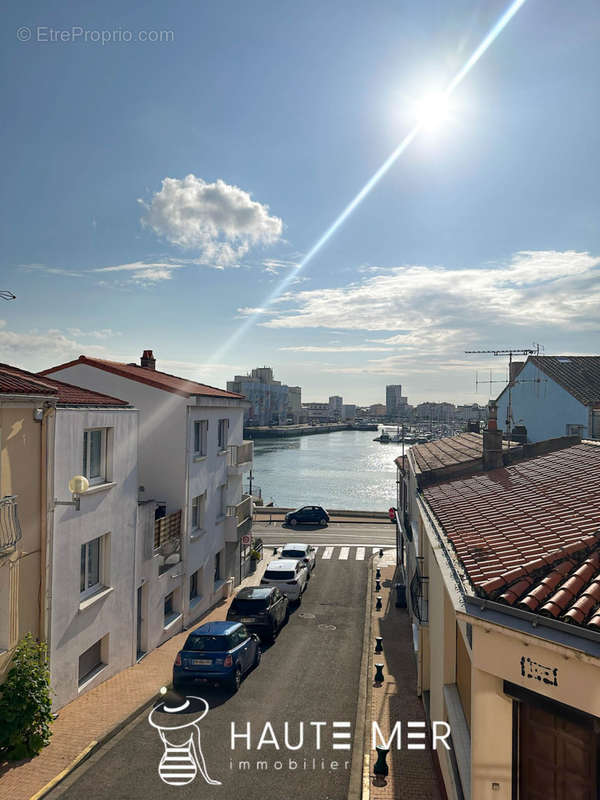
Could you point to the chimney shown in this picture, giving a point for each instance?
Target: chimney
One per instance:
(147, 360)
(515, 368)
(492, 440)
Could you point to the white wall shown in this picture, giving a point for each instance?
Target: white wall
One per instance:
(542, 405)
(112, 511)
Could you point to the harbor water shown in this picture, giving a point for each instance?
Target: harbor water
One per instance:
(345, 469)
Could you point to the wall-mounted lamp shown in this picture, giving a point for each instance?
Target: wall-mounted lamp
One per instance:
(77, 486)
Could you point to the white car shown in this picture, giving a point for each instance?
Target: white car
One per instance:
(289, 575)
(303, 552)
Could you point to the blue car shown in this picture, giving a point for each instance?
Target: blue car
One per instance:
(218, 653)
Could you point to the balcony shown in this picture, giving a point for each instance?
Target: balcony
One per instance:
(167, 541)
(238, 520)
(10, 527)
(239, 458)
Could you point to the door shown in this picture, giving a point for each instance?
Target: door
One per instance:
(140, 620)
(557, 756)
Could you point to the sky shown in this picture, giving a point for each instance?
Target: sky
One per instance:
(168, 169)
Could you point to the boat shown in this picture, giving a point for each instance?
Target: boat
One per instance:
(384, 438)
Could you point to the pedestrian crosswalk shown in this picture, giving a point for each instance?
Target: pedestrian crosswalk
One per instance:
(350, 552)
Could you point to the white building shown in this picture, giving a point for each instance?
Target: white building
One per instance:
(393, 399)
(553, 396)
(193, 523)
(336, 405)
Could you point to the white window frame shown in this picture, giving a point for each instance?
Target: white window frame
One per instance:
(198, 512)
(87, 449)
(197, 575)
(200, 437)
(88, 591)
(223, 435)
(222, 497)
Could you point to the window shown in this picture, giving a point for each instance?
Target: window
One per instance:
(90, 661)
(217, 567)
(94, 455)
(200, 437)
(91, 567)
(195, 585)
(170, 610)
(575, 430)
(222, 498)
(198, 506)
(223, 436)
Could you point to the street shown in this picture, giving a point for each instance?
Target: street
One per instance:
(309, 678)
(375, 534)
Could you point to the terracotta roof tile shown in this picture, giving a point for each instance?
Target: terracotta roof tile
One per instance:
(18, 381)
(151, 377)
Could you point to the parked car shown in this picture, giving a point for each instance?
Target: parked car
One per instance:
(289, 576)
(303, 552)
(217, 652)
(262, 609)
(307, 515)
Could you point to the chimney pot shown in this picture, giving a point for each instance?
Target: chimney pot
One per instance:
(147, 360)
(492, 440)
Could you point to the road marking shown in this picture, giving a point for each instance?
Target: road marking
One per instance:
(327, 552)
(344, 553)
(360, 553)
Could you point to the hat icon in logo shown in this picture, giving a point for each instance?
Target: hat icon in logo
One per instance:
(176, 719)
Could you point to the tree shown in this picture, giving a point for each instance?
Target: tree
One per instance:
(25, 702)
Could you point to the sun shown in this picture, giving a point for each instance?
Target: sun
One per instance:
(432, 110)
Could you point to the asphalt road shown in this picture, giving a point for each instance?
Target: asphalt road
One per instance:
(310, 674)
(375, 534)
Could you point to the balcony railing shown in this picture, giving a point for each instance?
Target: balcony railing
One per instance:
(241, 454)
(167, 540)
(419, 597)
(10, 527)
(239, 518)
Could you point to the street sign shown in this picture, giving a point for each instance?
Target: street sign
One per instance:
(246, 539)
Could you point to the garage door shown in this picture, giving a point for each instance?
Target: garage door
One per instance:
(557, 756)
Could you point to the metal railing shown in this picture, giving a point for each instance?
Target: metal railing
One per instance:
(10, 527)
(241, 453)
(419, 597)
(167, 539)
(242, 512)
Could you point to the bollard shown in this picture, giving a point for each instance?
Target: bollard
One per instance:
(379, 644)
(377, 586)
(378, 573)
(378, 604)
(378, 673)
(381, 767)
(274, 551)
(380, 553)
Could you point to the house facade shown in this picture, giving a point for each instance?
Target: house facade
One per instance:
(506, 607)
(553, 396)
(194, 522)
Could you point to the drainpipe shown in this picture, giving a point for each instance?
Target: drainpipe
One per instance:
(47, 523)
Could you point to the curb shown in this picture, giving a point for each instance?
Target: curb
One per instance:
(356, 787)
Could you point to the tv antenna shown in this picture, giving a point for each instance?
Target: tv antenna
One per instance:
(510, 352)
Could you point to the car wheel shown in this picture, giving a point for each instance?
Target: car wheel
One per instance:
(235, 680)
(293, 522)
(257, 656)
(323, 522)
(299, 600)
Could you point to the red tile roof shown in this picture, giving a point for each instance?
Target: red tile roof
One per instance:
(449, 451)
(18, 381)
(151, 377)
(509, 526)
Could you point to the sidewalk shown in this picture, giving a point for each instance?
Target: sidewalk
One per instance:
(411, 772)
(91, 717)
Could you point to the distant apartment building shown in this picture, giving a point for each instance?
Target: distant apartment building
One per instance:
(470, 413)
(192, 516)
(349, 411)
(553, 396)
(315, 412)
(67, 569)
(435, 412)
(377, 410)
(393, 395)
(270, 401)
(336, 404)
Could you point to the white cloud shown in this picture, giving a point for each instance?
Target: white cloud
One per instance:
(145, 272)
(546, 288)
(219, 220)
(36, 349)
(359, 348)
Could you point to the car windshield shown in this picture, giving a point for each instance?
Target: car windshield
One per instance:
(293, 554)
(279, 575)
(250, 606)
(207, 643)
